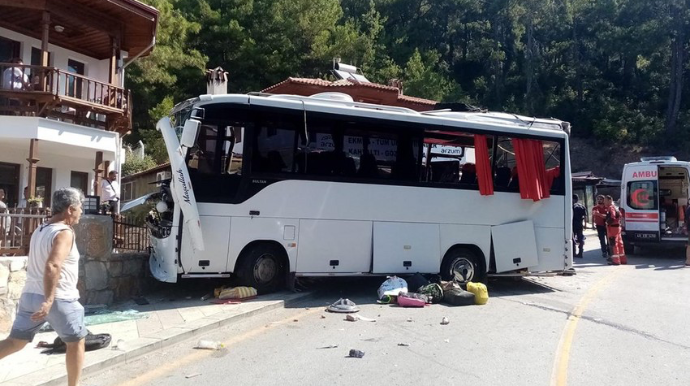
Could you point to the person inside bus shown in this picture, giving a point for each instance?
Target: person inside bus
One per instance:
(469, 174)
(367, 166)
(514, 179)
(502, 177)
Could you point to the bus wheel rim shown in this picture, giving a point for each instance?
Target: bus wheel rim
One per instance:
(462, 270)
(265, 269)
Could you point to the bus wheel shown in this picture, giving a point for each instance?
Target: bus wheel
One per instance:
(462, 265)
(262, 267)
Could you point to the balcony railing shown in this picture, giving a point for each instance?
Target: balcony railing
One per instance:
(56, 93)
(16, 227)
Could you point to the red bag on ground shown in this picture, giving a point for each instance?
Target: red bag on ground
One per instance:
(411, 299)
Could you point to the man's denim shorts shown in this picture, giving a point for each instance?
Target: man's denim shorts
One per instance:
(66, 317)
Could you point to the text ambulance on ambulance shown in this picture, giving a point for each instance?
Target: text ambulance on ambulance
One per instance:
(654, 196)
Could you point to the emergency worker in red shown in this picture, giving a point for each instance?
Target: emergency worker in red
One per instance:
(599, 220)
(613, 231)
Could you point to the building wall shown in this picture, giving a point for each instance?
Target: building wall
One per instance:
(62, 166)
(94, 68)
(141, 184)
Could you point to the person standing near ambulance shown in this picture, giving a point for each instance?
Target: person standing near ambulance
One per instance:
(599, 220)
(613, 231)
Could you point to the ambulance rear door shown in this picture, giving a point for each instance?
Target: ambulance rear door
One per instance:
(640, 202)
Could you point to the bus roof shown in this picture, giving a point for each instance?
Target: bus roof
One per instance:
(505, 122)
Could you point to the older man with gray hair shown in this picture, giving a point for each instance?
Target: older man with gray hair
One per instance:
(50, 293)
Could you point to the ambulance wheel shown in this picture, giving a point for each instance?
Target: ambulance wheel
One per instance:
(262, 266)
(463, 265)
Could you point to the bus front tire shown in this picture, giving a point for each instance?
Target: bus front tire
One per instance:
(463, 265)
(262, 266)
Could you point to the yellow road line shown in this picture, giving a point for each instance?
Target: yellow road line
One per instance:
(196, 355)
(559, 376)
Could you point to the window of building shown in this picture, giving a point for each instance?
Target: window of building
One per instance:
(80, 180)
(9, 49)
(128, 191)
(44, 185)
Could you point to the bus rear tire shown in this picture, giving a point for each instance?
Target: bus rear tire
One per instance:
(262, 266)
(463, 265)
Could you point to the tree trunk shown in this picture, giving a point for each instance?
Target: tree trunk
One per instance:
(529, 67)
(675, 78)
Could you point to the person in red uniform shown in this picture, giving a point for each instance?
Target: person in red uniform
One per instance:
(613, 230)
(599, 220)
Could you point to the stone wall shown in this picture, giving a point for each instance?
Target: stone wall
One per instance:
(12, 279)
(105, 276)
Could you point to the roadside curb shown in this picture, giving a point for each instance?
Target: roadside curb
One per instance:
(99, 360)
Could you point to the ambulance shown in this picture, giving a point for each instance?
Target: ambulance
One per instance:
(654, 195)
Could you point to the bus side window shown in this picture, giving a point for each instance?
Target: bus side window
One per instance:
(552, 162)
(451, 158)
(505, 176)
(273, 149)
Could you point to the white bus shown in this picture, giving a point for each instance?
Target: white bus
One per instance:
(654, 196)
(273, 187)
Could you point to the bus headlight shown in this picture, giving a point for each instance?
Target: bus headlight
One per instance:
(161, 207)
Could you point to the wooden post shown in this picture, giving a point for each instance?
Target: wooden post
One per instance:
(105, 169)
(98, 170)
(44, 49)
(33, 159)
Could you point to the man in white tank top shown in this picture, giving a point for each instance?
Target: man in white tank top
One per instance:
(50, 293)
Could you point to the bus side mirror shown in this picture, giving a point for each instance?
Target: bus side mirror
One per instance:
(189, 133)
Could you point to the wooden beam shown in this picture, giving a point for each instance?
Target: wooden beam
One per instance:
(58, 42)
(98, 170)
(24, 4)
(33, 159)
(115, 46)
(44, 47)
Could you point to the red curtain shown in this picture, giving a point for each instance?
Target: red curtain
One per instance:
(484, 175)
(532, 176)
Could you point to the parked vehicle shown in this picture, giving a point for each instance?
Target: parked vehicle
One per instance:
(270, 187)
(654, 195)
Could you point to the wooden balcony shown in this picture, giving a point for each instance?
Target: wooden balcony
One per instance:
(55, 93)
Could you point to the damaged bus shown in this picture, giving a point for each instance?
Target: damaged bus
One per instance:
(272, 187)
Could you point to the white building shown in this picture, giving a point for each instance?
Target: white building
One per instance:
(63, 112)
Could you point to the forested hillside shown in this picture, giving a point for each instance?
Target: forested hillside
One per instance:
(617, 69)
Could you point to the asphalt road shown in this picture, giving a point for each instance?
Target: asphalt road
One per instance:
(627, 325)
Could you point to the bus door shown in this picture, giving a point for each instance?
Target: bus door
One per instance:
(515, 246)
(182, 192)
(640, 199)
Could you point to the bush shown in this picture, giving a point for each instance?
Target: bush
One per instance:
(135, 165)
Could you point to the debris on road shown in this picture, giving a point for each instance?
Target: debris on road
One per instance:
(209, 345)
(409, 319)
(354, 318)
(404, 344)
(207, 296)
(356, 353)
(411, 299)
(392, 286)
(445, 321)
(481, 294)
(343, 306)
(323, 316)
(329, 346)
(192, 375)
